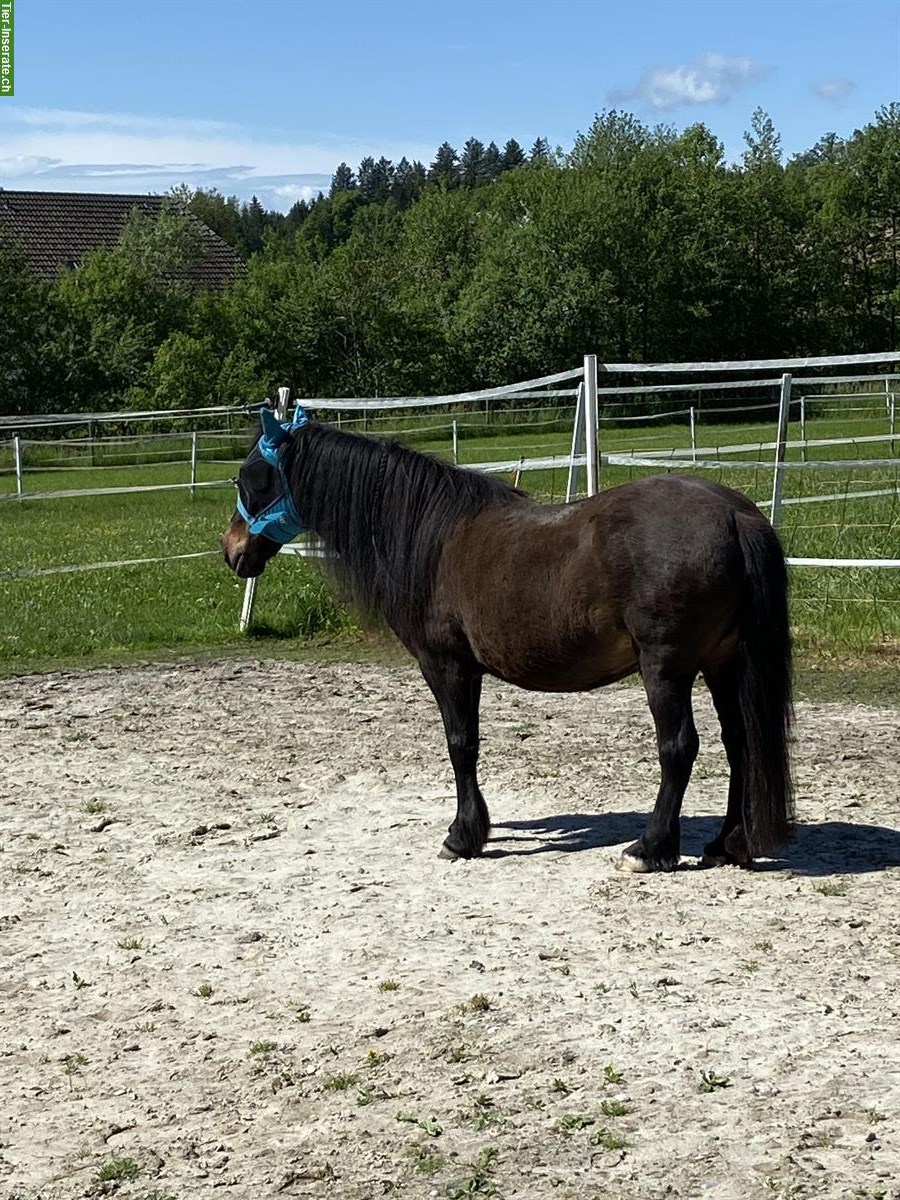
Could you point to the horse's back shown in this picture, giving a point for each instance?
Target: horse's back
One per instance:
(564, 597)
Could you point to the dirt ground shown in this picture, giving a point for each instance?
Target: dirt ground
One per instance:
(232, 965)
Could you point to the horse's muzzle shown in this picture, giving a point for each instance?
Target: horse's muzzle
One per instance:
(245, 553)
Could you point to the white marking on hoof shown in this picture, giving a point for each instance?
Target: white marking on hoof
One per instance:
(448, 854)
(633, 864)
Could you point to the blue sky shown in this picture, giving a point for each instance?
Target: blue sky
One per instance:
(268, 96)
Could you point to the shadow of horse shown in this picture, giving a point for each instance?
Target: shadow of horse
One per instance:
(826, 848)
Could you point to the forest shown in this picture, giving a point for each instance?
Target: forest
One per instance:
(486, 266)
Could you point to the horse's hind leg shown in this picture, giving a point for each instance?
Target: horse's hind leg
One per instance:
(457, 689)
(730, 846)
(669, 696)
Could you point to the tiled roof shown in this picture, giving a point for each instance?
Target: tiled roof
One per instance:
(58, 229)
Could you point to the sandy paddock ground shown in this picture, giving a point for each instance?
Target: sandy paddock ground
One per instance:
(232, 965)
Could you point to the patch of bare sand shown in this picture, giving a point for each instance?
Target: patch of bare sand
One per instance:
(213, 875)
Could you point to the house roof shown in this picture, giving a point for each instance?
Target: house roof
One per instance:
(57, 229)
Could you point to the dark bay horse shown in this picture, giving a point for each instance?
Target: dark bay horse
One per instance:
(667, 576)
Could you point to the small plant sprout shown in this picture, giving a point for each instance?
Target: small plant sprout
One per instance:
(376, 1058)
(79, 982)
(607, 1140)
(389, 985)
(711, 1082)
(340, 1082)
(569, 1123)
(485, 1113)
(839, 888)
(424, 1160)
(130, 943)
(72, 1064)
(479, 1003)
(118, 1170)
(263, 1048)
(93, 806)
(611, 1075)
(204, 991)
(479, 1182)
(429, 1125)
(559, 1087)
(369, 1095)
(614, 1108)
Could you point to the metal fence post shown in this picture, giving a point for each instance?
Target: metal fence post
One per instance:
(784, 407)
(803, 425)
(591, 423)
(577, 445)
(455, 443)
(193, 464)
(17, 455)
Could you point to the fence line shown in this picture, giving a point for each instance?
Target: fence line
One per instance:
(77, 568)
(116, 491)
(823, 464)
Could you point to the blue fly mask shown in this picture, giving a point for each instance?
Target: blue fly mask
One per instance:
(264, 496)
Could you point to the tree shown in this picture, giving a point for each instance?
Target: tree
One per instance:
(513, 155)
(253, 224)
(120, 305)
(540, 151)
(24, 386)
(763, 142)
(221, 215)
(493, 163)
(445, 168)
(343, 180)
(612, 142)
(472, 169)
(407, 183)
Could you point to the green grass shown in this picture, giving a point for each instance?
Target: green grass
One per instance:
(185, 607)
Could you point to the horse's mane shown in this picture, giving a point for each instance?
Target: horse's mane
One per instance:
(385, 512)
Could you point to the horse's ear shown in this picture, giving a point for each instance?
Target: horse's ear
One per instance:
(273, 431)
(301, 417)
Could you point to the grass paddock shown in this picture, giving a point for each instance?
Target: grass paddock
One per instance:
(179, 605)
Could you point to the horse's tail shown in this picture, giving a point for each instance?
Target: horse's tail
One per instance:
(764, 692)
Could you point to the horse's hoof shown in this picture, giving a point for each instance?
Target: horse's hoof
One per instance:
(715, 860)
(633, 864)
(732, 852)
(638, 865)
(448, 854)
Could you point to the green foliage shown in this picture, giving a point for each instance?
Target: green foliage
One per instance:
(641, 243)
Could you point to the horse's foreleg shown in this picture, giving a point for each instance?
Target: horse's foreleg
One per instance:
(669, 695)
(457, 689)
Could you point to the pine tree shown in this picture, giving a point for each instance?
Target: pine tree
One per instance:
(407, 182)
(444, 170)
(471, 163)
(253, 223)
(493, 162)
(513, 155)
(540, 151)
(343, 180)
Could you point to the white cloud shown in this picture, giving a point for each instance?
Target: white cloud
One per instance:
(834, 89)
(81, 151)
(709, 79)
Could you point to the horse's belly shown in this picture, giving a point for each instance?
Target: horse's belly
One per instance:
(550, 667)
